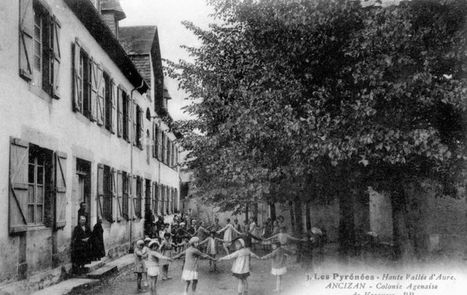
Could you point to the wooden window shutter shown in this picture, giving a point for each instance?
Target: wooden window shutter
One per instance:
(26, 27)
(113, 99)
(60, 189)
(77, 79)
(116, 206)
(100, 109)
(133, 197)
(94, 90)
(100, 190)
(120, 99)
(18, 192)
(120, 194)
(154, 197)
(56, 57)
(129, 115)
(133, 131)
(142, 136)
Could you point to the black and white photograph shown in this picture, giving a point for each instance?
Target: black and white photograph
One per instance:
(233, 147)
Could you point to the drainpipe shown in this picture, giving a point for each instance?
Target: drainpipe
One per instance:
(131, 249)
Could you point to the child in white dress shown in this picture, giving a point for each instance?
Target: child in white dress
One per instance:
(153, 265)
(279, 259)
(241, 265)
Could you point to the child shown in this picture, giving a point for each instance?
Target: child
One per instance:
(228, 231)
(141, 253)
(165, 248)
(283, 237)
(211, 249)
(279, 258)
(241, 265)
(153, 265)
(190, 267)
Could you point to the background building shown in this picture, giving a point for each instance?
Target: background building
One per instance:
(78, 125)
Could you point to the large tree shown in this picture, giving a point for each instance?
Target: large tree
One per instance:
(299, 99)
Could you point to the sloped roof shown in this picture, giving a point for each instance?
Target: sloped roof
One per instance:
(143, 64)
(137, 39)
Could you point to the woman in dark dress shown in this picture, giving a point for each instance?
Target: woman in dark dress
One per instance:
(80, 246)
(97, 241)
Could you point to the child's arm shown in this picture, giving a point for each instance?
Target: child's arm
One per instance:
(204, 241)
(270, 255)
(254, 255)
(160, 256)
(235, 230)
(271, 237)
(230, 256)
(293, 238)
(223, 229)
(220, 240)
(179, 255)
(202, 255)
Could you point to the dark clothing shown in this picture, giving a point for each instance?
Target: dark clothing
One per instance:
(149, 224)
(97, 242)
(80, 254)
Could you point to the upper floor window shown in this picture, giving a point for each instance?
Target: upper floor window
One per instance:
(39, 48)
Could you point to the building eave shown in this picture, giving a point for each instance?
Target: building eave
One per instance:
(90, 18)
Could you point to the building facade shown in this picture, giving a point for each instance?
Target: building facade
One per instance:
(78, 125)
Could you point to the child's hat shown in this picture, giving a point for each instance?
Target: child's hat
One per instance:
(147, 239)
(242, 242)
(316, 231)
(140, 242)
(194, 240)
(152, 243)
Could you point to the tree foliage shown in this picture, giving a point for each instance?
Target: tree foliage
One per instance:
(294, 96)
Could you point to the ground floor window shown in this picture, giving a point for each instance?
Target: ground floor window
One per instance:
(38, 175)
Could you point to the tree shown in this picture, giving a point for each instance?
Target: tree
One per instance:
(329, 97)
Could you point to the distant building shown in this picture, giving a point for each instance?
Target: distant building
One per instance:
(80, 123)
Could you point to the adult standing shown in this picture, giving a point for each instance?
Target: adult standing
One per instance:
(97, 241)
(82, 211)
(80, 254)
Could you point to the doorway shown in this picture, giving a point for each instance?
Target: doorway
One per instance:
(82, 191)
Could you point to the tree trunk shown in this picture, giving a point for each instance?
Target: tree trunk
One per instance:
(298, 217)
(346, 224)
(272, 208)
(246, 212)
(403, 248)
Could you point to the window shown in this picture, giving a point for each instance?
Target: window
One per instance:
(126, 185)
(37, 195)
(36, 186)
(139, 128)
(147, 199)
(163, 144)
(126, 113)
(108, 102)
(138, 201)
(107, 206)
(39, 48)
(105, 192)
(85, 73)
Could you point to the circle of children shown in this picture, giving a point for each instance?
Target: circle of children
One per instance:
(193, 240)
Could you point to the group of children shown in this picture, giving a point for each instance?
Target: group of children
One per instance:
(153, 256)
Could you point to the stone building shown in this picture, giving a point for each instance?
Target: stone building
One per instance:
(80, 123)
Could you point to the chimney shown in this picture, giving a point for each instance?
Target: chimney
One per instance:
(111, 13)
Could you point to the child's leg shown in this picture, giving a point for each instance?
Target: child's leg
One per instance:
(245, 286)
(226, 249)
(278, 283)
(167, 272)
(193, 286)
(187, 287)
(240, 287)
(139, 277)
